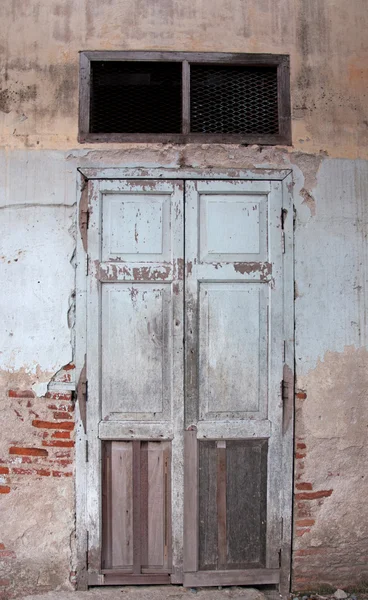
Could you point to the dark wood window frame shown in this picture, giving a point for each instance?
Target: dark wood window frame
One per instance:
(281, 61)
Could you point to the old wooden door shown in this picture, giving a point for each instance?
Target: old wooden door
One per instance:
(185, 474)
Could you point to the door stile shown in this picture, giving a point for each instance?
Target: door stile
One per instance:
(191, 501)
(276, 350)
(93, 416)
(288, 400)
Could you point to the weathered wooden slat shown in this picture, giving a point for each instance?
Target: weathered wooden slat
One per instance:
(106, 174)
(246, 503)
(121, 501)
(245, 577)
(144, 502)
(137, 548)
(106, 507)
(221, 505)
(131, 430)
(156, 504)
(179, 138)
(124, 579)
(191, 501)
(208, 529)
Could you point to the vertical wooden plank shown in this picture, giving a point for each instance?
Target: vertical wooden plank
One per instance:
(191, 501)
(191, 304)
(121, 499)
(156, 524)
(106, 507)
(186, 97)
(167, 505)
(221, 505)
(80, 426)
(246, 503)
(137, 561)
(84, 93)
(283, 93)
(144, 533)
(207, 510)
(93, 499)
(275, 375)
(177, 391)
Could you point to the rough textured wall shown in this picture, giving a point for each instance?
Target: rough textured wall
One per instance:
(326, 40)
(328, 46)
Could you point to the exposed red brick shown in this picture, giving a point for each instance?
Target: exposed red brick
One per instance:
(299, 455)
(21, 471)
(62, 415)
(301, 395)
(62, 474)
(43, 472)
(26, 460)
(300, 532)
(301, 446)
(59, 395)
(59, 443)
(63, 462)
(21, 394)
(4, 489)
(309, 551)
(63, 454)
(305, 522)
(69, 367)
(313, 495)
(65, 407)
(7, 554)
(28, 451)
(4, 470)
(51, 425)
(4, 582)
(304, 486)
(61, 434)
(2, 547)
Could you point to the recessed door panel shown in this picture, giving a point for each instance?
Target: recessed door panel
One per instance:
(136, 350)
(232, 350)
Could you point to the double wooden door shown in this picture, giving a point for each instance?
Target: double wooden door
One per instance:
(186, 421)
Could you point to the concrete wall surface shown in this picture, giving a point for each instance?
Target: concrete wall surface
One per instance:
(39, 157)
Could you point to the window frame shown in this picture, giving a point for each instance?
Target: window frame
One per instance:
(280, 61)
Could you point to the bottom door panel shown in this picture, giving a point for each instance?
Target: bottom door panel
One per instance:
(232, 504)
(136, 515)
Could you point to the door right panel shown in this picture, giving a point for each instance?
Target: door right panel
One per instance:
(234, 372)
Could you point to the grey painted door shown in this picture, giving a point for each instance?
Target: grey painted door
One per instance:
(207, 295)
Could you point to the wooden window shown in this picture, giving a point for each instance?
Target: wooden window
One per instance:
(184, 97)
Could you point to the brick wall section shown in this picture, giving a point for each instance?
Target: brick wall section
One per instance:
(43, 449)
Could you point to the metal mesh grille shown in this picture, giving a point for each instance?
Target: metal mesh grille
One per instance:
(233, 99)
(135, 97)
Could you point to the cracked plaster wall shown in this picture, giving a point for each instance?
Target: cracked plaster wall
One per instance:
(38, 133)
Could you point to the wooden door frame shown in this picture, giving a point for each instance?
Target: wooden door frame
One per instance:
(86, 174)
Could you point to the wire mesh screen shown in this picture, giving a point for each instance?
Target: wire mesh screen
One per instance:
(135, 97)
(233, 99)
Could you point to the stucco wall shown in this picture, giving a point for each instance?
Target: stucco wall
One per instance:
(328, 46)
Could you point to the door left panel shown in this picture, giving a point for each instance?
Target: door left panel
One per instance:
(135, 380)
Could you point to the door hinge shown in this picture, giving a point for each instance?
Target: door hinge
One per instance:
(283, 351)
(283, 241)
(87, 451)
(280, 552)
(82, 395)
